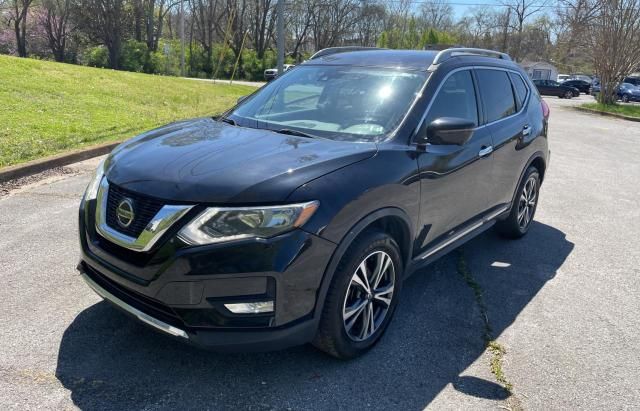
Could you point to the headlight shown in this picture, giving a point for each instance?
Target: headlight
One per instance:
(92, 189)
(215, 225)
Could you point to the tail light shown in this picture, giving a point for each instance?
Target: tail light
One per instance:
(545, 109)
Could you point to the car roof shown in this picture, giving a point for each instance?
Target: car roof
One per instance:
(407, 59)
(419, 60)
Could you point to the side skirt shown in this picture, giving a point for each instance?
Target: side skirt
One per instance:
(449, 244)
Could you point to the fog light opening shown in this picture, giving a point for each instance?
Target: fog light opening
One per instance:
(250, 308)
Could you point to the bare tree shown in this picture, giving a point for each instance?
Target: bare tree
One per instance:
(370, 22)
(518, 12)
(55, 20)
(475, 29)
(20, 10)
(205, 19)
(300, 15)
(333, 21)
(614, 37)
(262, 23)
(154, 13)
(437, 14)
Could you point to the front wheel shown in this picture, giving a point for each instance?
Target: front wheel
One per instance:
(625, 98)
(523, 208)
(362, 296)
(568, 95)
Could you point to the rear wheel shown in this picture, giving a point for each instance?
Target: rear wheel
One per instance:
(523, 208)
(362, 296)
(625, 98)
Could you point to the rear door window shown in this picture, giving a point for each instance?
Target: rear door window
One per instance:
(497, 94)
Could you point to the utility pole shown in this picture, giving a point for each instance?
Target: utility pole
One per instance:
(280, 35)
(182, 38)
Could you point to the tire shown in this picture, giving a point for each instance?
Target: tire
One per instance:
(342, 332)
(519, 220)
(625, 98)
(568, 95)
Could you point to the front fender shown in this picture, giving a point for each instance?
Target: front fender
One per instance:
(349, 194)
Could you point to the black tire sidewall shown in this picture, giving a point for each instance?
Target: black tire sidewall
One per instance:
(333, 323)
(530, 171)
(510, 227)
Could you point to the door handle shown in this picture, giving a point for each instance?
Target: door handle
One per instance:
(485, 151)
(526, 130)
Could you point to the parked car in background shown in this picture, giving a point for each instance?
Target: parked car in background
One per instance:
(270, 74)
(632, 80)
(628, 92)
(595, 88)
(553, 88)
(562, 77)
(581, 85)
(582, 77)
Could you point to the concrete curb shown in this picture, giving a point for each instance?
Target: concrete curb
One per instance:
(58, 160)
(604, 113)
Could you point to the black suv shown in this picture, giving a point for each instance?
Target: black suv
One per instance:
(296, 215)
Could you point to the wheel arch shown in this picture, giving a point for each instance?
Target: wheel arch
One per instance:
(536, 160)
(391, 220)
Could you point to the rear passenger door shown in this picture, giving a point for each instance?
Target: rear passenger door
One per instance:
(504, 96)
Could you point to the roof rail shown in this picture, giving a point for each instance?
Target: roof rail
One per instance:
(335, 50)
(446, 54)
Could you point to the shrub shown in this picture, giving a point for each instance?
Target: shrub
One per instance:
(97, 56)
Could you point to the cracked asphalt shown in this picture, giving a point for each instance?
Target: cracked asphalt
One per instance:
(563, 303)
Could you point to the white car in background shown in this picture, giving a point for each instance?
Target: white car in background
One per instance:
(270, 74)
(563, 77)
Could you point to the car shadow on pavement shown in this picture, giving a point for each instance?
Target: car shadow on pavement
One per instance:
(108, 361)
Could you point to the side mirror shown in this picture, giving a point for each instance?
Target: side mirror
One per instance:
(241, 99)
(448, 130)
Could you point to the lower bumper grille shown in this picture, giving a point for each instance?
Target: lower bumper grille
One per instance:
(145, 304)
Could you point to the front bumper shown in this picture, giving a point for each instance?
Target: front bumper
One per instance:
(181, 291)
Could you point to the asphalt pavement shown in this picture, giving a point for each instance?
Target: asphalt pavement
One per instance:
(563, 304)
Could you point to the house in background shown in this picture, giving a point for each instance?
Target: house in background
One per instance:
(540, 70)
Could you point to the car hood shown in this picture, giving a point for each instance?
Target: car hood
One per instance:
(203, 160)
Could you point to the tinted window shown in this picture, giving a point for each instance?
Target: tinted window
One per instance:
(497, 94)
(520, 88)
(456, 98)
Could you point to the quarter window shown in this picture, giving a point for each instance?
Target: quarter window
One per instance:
(497, 94)
(456, 98)
(520, 88)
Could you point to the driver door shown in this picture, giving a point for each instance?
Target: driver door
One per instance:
(454, 180)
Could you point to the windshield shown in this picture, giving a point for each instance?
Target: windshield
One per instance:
(336, 102)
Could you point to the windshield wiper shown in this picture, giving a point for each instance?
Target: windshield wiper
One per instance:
(228, 121)
(291, 132)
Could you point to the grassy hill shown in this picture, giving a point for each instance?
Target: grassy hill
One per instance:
(47, 108)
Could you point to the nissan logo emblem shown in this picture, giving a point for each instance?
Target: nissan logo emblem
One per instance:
(125, 213)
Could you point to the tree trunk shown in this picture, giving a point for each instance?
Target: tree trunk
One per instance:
(21, 36)
(114, 48)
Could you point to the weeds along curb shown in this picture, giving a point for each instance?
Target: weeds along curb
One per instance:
(606, 113)
(58, 160)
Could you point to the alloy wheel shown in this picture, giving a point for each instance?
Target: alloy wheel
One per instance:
(527, 202)
(625, 98)
(568, 95)
(369, 296)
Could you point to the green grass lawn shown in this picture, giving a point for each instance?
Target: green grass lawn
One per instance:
(47, 108)
(631, 110)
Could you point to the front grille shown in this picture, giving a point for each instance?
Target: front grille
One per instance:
(144, 208)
